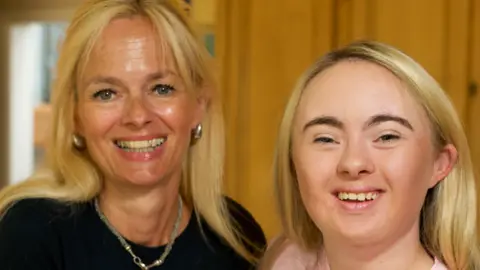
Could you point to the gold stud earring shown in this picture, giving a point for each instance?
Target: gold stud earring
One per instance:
(197, 133)
(78, 142)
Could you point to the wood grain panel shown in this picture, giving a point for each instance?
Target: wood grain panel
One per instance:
(416, 27)
(433, 32)
(323, 27)
(457, 54)
(267, 92)
(474, 81)
(232, 56)
(263, 47)
(353, 20)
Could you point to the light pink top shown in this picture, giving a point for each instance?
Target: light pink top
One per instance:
(292, 258)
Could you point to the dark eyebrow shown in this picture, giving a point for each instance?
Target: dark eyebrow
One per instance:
(324, 120)
(373, 121)
(382, 118)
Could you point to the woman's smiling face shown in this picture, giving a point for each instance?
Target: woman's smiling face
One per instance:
(363, 154)
(134, 111)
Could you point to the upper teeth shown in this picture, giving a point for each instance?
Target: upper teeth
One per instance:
(357, 196)
(140, 144)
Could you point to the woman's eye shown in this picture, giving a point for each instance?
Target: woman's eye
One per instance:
(104, 95)
(163, 89)
(388, 138)
(324, 140)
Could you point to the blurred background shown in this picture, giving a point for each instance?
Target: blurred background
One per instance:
(261, 47)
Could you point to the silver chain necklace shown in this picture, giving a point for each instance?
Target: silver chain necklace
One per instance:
(128, 248)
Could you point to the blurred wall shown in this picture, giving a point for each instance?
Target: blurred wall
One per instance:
(11, 13)
(3, 99)
(36, 4)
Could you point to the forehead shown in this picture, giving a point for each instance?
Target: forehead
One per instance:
(355, 90)
(128, 41)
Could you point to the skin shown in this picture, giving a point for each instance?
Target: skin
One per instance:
(357, 127)
(131, 88)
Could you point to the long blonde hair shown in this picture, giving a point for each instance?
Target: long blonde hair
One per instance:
(73, 177)
(449, 214)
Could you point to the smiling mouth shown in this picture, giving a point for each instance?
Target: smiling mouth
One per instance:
(140, 146)
(358, 196)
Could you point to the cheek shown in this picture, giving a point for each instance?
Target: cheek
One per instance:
(177, 115)
(408, 171)
(96, 121)
(314, 170)
(314, 167)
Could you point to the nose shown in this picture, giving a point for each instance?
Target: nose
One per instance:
(355, 161)
(137, 112)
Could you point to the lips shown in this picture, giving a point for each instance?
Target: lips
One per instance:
(358, 195)
(361, 196)
(140, 145)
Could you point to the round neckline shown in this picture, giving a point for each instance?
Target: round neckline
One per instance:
(191, 224)
(182, 235)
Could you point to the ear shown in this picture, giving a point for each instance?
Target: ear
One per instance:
(444, 163)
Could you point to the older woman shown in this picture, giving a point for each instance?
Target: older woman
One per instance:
(373, 169)
(136, 156)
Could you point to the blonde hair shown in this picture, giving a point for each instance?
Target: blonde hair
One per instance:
(73, 177)
(449, 215)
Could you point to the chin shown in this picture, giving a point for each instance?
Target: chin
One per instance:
(142, 178)
(143, 182)
(360, 234)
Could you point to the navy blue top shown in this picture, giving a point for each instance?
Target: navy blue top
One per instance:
(44, 234)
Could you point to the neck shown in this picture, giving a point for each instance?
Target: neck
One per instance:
(405, 253)
(144, 216)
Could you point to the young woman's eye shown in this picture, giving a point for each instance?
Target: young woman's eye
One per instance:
(163, 89)
(388, 138)
(324, 140)
(104, 95)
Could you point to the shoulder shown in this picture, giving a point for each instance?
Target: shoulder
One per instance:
(37, 211)
(247, 225)
(241, 215)
(31, 219)
(284, 254)
(27, 231)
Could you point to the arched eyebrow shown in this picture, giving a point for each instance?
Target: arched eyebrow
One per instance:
(324, 120)
(382, 118)
(118, 82)
(372, 121)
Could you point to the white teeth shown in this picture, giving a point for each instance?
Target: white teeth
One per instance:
(357, 196)
(140, 146)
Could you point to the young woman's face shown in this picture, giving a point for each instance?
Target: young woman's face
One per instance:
(364, 154)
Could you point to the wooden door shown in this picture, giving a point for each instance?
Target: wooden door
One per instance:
(473, 126)
(433, 32)
(262, 48)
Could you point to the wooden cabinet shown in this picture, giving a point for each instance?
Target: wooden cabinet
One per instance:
(263, 46)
